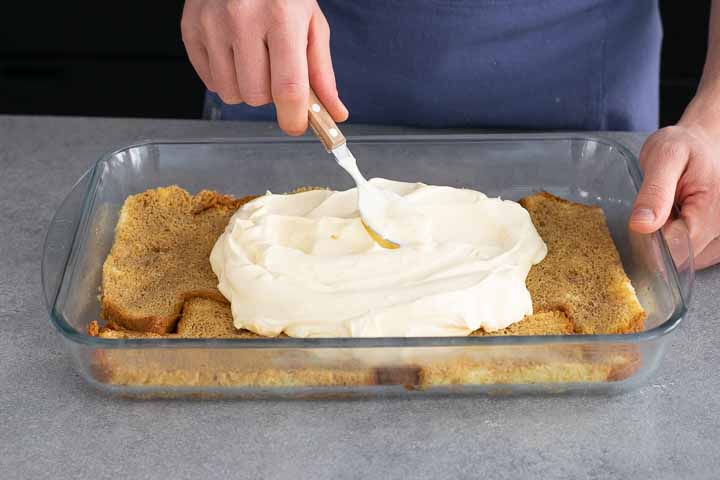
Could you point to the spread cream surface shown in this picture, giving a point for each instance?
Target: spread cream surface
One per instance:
(304, 264)
(387, 213)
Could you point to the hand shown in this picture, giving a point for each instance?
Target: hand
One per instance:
(681, 164)
(262, 51)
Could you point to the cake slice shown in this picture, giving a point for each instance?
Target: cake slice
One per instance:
(159, 259)
(582, 274)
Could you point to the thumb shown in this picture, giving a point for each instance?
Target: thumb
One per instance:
(665, 165)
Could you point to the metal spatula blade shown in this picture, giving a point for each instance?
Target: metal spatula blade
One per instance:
(334, 142)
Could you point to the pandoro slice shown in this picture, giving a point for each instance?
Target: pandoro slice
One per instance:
(159, 258)
(205, 318)
(582, 274)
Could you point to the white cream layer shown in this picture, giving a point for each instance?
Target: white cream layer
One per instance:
(304, 264)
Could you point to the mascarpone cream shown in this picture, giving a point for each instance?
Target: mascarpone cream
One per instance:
(304, 264)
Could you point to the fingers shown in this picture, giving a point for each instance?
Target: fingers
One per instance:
(702, 218)
(199, 59)
(699, 195)
(252, 69)
(709, 256)
(646, 252)
(222, 69)
(256, 51)
(205, 34)
(680, 164)
(676, 237)
(664, 164)
(289, 77)
(192, 37)
(321, 74)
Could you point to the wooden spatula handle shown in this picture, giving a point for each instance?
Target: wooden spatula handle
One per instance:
(323, 125)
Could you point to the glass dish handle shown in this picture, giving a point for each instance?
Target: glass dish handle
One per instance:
(59, 239)
(677, 238)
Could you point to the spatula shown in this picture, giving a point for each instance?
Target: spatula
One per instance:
(334, 142)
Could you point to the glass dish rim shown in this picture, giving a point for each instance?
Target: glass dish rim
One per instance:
(80, 337)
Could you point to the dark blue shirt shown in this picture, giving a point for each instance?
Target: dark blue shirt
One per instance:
(538, 64)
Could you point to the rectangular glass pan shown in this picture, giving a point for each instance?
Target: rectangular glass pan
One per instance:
(579, 168)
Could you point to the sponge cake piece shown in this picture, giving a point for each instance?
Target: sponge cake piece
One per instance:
(582, 275)
(539, 323)
(204, 318)
(160, 256)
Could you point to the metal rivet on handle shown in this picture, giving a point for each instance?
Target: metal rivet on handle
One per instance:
(315, 107)
(333, 132)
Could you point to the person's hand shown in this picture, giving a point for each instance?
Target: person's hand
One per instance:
(682, 164)
(262, 51)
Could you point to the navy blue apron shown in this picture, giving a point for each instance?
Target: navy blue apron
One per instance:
(536, 64)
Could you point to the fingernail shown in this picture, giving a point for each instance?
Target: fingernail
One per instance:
(643, 215)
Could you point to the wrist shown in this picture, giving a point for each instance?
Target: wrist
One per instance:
(703, 112)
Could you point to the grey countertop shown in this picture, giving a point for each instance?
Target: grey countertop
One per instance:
(54, 426)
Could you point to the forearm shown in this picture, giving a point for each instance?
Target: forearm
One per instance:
(704, 109)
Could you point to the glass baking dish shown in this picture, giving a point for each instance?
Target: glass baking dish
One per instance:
(576, 167)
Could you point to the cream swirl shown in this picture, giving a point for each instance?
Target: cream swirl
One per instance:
(304, 264)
